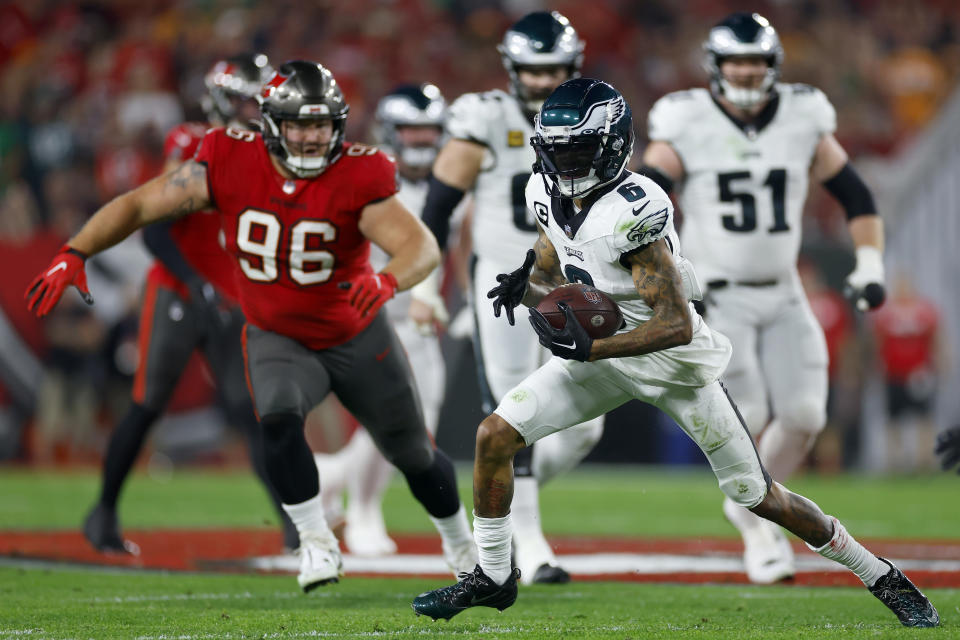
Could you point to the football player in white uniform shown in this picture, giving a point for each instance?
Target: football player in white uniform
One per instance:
(409, 125)
(744, 152)
(603, 225)
(488, 154)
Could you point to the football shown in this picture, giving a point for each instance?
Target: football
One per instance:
(596, 311)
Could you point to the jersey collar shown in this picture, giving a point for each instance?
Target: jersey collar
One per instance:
(568, 219)
(752, 128)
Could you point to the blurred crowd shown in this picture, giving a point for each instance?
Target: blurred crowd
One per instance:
(88, 90)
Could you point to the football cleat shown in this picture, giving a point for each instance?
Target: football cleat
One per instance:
(103, 533)
(320, 561)
(767, 554)
(911, 607)
(474, 589)
(550, 574)
(367, 537)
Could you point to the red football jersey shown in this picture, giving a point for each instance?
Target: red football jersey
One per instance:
(906, 332)
(295, 240)
(196, 235)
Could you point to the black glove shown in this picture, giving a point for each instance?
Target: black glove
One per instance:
(948, 445)
(509, 293)
(569, 343)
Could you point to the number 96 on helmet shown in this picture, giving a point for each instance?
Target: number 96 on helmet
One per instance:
(595, 311)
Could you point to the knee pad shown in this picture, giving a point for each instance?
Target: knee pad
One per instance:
(803, 415)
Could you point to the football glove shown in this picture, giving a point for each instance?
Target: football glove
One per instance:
(865, 283)
(948, 446)
(371, 291)
(64, 270)
(427, 308)
(513, 286)
(569, 343)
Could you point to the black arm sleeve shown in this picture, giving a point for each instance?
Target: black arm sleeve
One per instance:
(160, 243)
(662, 179)
(442, 199)
(851, 192)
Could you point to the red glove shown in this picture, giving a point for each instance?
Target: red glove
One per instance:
(66, 269)
(370, 292)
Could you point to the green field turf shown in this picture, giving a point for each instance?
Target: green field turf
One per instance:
(43, 601)
(81, 604)
(596, 501)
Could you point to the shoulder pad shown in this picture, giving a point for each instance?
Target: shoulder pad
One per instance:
(812, 104)
(644, 213)
(671, 113)
(470, 115)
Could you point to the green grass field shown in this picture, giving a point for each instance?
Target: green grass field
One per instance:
(47, 601)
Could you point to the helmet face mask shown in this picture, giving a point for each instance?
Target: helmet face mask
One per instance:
(302, 91)
(743, 35)
(540, 42)
(584, 138)
(409, 122)
(232, 87)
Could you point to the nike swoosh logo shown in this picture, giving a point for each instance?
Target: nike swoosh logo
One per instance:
(61, 266)
(571, 346)
(637, 212)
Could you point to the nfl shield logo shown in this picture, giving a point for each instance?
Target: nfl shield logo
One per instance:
(592, 296)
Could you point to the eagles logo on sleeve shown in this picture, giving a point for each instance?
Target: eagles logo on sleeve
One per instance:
(650, 227)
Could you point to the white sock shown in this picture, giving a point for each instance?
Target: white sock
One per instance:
(844, 549)
(454, 530)
(309, 518)
(493, 545)
(525, 508)
(530, 545)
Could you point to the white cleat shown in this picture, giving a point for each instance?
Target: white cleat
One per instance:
(367, 539)
(461, 559)
(320, 561)
(767, 555)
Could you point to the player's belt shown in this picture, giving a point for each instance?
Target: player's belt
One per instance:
(721, 284)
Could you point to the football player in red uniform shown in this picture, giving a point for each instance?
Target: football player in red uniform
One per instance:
(189, 303)
(299, 208)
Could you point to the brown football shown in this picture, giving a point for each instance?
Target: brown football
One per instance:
(596, 311)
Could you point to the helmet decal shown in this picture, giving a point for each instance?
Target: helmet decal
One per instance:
(742, 34)
(539, 39)
(584, 137)
(302, 90)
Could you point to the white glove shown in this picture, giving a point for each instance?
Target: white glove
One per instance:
(865, 282)
(427, 292)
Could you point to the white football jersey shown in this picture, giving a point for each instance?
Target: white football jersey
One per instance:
(590, 245)
(745, 186)
(502, 227)
(635, 213)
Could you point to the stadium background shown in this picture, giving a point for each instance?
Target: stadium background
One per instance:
(87, 91)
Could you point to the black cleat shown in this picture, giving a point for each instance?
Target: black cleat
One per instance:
(550, 574)
(906, 601)
(474, 590)
(103, 533)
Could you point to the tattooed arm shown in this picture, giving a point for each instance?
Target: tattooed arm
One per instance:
(171, 195)
(658, 283)
(546, 275)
